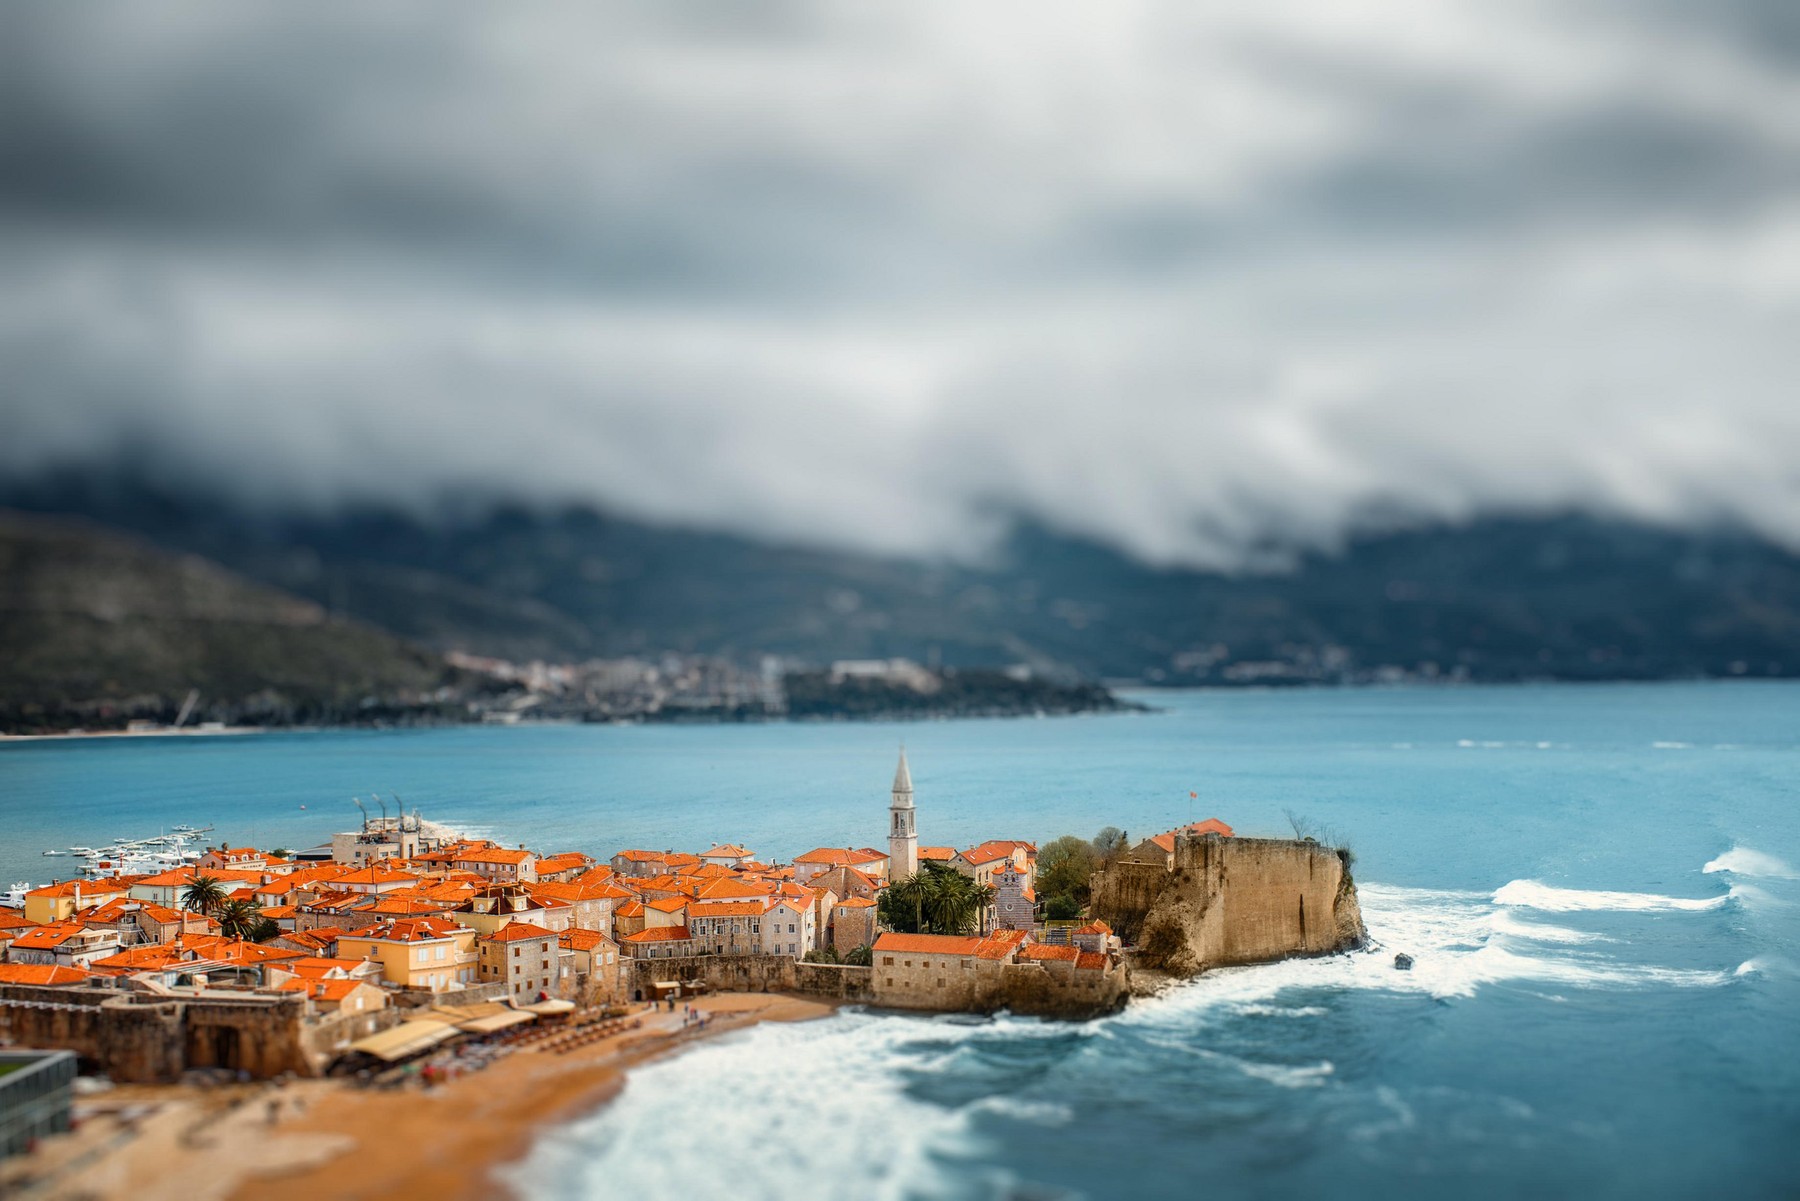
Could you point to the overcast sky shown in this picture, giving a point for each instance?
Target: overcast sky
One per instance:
(1185, 277)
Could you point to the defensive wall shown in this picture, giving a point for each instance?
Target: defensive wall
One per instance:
(751, 973)
(147, 1038)
(1231, 901)
(967, 984)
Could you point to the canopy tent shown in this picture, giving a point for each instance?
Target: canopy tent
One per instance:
(496, 1021)
(546, 1008)
(406, 1039)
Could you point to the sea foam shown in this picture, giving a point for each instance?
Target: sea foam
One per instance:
(1745, 861)
(1534, 894)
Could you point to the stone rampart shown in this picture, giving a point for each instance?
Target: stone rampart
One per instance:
(1232, 901)
(146, 1038)
(751, 973)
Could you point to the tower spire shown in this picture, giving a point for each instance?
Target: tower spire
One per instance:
(903, 836)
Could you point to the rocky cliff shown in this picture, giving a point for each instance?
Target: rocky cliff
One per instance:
(1228, 901)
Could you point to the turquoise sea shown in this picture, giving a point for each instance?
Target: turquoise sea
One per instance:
(1597, 883)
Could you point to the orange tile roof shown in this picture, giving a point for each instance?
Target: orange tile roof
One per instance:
(408, 929)
(69, 888)
(1090, 961)
(570, 893)
(1045, 951)
(640, 856)
(667, 904)
(937, 853)
(47, 938)
(312, 938)
(516, 931)
(659, 934)
(551, 864)
(375, 875)
(41, 974)
(496, 855)
(318, 965)
(732, 889)
(840, 856)
(581, 940)
(630, 909)
(1095, 927)
(856, 903)
(928, 944)
(701, 909)
(730, 850)
(322, 990)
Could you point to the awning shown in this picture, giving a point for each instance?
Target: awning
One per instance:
(496, 1021)
(546, 1008)
(406, 1039)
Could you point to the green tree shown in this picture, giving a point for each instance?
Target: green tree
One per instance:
(935, 900)
(821, 955)
(863, 956)
(1062, 908)
(238, 919)
(204, 894)
(1110, 843)
(1063, 868)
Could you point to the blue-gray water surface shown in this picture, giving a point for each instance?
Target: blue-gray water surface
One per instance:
(1596, 883)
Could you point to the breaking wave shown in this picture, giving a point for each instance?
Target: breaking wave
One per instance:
(1744, 861)
(1534, 894)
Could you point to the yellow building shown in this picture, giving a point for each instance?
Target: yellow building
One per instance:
(59, 902)
(426, 953)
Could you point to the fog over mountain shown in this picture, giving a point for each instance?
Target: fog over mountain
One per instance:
(1187, 281)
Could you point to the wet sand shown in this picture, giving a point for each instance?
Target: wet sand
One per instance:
(334, 1140)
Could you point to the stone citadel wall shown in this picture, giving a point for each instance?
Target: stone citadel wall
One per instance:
(1230, 901)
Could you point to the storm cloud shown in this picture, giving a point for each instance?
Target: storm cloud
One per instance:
(1194, 280)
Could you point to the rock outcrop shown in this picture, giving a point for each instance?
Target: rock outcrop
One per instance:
(1226, 901)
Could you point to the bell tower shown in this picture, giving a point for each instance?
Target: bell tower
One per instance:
(903, 836)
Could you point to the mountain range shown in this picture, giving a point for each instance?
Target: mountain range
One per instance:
(1565, 597)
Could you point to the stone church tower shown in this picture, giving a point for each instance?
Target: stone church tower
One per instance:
(903, 838)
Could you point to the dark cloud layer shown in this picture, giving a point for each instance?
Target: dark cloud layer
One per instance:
(1188, 281)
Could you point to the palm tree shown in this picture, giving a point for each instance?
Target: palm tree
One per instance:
(936, 900)
(203, 894)
(239, 919)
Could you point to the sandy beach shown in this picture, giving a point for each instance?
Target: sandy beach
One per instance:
(332, 1139)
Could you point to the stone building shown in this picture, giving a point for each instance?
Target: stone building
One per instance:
(426, 953)
(499, 864)
(525, 958)
(728, 927)
(1015, 902)
(658, 942)
(788, 928)
(852, 924)
(944, 972)
(598, 966)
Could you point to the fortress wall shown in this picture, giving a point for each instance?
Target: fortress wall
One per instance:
(156, 1040)
(753, 973)
(1231, 901)
(1268, 898)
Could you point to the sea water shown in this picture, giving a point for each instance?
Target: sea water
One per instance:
(1597, 885)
